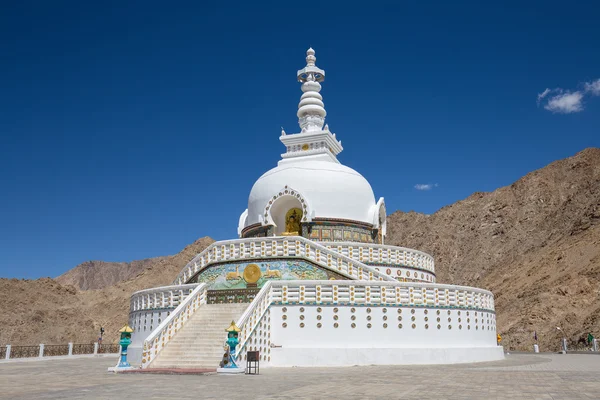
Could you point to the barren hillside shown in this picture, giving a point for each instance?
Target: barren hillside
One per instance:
(46, 311)
(525, 242)
(101, 274)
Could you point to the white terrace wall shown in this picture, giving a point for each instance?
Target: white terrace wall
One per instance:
(344, 323)
(311, 335)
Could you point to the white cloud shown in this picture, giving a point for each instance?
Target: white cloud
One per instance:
(561, 101)
(425, 186)
(565, 103)
(592, 87)
(543, 94)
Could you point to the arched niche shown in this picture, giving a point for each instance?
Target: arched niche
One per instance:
(284, 206)
(280, 205)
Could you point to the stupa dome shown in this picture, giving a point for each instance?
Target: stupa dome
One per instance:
(329, 189)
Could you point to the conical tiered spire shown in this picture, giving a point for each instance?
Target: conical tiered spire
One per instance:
(315, 141)
(311, 110)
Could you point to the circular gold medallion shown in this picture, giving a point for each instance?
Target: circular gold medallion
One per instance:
(252, 273)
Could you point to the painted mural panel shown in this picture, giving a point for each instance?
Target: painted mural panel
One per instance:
(254, 274)
(331, 231)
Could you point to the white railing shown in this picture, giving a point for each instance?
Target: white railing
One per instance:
(163, 333)
(349, 293)
(252, 317)
(381, 293)
(160, 297)
(279, 247)
(384, 254)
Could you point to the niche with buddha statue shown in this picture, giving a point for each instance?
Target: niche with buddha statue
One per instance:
(292, 222)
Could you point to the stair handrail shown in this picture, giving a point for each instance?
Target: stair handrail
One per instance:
(163, 333)
(241, 322)
(193, 268)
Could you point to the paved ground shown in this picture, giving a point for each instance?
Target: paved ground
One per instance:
(520, 376)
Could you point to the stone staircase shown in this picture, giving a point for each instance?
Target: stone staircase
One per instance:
(199, 344)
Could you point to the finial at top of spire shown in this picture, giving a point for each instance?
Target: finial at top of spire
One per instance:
(310, 57)
(311, 110)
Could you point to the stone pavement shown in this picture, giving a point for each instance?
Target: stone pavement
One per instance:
(519, 376)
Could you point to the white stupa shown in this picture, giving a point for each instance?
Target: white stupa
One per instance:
(310, 281)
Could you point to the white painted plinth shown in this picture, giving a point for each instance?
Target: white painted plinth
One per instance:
(134, 354)
(231, 371)
(336, 357)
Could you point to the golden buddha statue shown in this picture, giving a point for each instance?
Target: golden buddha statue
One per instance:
(292, 222)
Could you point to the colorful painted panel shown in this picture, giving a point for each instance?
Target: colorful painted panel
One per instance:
(254, 274)
(335, 231)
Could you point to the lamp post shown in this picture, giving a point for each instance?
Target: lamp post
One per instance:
(228, 365)
(125, 341)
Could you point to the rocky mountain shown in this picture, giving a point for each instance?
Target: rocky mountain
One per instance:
(101, 274)
(48, 311)
(535, 244)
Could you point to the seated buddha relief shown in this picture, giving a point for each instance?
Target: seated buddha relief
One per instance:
(292, 222)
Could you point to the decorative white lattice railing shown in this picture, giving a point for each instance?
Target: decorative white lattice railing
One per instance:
(279, 247)
(253, 315)
(160, 297)
(351, 293)
(163, 333)
(383, 254)
(388, 293)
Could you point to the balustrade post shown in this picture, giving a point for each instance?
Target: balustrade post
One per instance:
(96, 348)
(41, 350)
(7, 356)
(70, 349)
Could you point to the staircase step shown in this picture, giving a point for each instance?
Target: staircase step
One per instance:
(192, 356)
(199, 344)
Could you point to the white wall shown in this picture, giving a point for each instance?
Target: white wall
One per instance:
(347, 357)
(345, 345)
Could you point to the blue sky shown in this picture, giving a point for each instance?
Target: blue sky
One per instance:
(130, 129)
